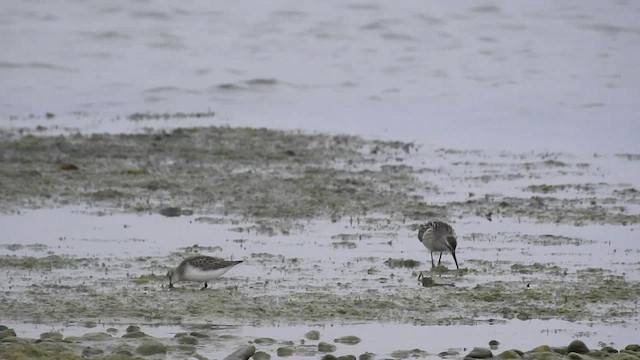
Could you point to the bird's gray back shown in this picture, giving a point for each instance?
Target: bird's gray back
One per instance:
(438, 228)
(208, 262)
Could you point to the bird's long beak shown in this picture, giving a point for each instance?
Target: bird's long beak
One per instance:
(454, 259)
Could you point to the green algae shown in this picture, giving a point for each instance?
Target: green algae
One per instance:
(47, 262)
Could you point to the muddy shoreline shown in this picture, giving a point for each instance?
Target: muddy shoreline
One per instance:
(265, 192)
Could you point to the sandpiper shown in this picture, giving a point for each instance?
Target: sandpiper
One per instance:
(200, 268)
(438, 236)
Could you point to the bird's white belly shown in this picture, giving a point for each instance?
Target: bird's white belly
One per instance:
(194, 274)
(434, 245)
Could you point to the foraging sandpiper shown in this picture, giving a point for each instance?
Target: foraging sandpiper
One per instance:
(200, 268)
(438, 236)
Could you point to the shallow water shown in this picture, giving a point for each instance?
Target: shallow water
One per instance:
(501, 75)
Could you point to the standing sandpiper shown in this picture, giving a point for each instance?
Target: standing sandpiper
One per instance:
(201, 269)
(438, 236)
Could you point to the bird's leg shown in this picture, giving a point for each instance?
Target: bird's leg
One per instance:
(204, 287)
(440, 258)
(432, 263)
(170, 285)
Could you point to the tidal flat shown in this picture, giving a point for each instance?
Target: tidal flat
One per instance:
(326, 226)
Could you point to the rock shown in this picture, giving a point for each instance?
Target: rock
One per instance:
(509, 354)
(6, 333)
(187, 348)
(51, 335)
(95, 336)
(329, 357)
(264, 341)
(577, 346)
(346, 357)
(151, 347)
(284, 351)
(261, 355)
(480, 353)
(540, 349)
(367, 356)
(543, 355)
(449, 353)
(188, 340)
(134, 335)
(493, 344)
(132, 328)
(326, 347)
(89, 352)
(632, 347)
(171, 211)
(625, 355)
(199, 335)
(405, 354)
(51, 347)
(312, 335)
(14, 340)
(3, 328)
(609, 350)
(560, 350)
(349, 340)
(577, 356)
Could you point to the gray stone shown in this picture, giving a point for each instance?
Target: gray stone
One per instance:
(326, 347)
(349, 340)
(609, 350)
(509, 354)
(134, 335)
(367, 356)
(151, 347)
(6, 333)
(243, 353)
(632, 347)
(89, 352)
(261, 355)
(312, 335)
(577, 346)
(480, 353)
(51, 347)
(284, 351)
(577, 356)
(543, 355)
(264, 341)
(132, 328)
(188, 340)
(95, 336)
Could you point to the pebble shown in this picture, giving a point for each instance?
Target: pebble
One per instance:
(633, 347)
(312, 335)
(577, 346)
(188, 340)
(284, 351)
(509, 354)
(151, 347)
(480, 353)
(243, 353)
(326, 347)
(261, 355)
(134, 334)
(349, 340)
